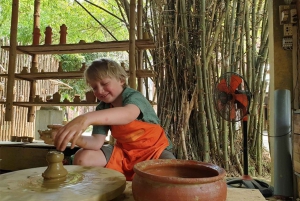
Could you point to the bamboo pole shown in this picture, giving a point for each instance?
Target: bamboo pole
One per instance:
(203, 64)
(12, 60)
(132, 67)
(140, 36)
(34, 64)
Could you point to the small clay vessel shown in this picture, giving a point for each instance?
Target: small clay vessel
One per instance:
(145, 35)
(30, 139)
(90, 96)
(56, 97)
(24, 70)
(13, 138)
(55, 171)
(66, 100)
(60, 69)
(19, 139)
(76, 99)
(48, 35)
(63, 34)
(36, 36)
(24, 139)
(37, 98)
(180, 180)
(34, 69)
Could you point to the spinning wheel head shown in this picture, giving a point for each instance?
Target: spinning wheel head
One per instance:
(82, 183)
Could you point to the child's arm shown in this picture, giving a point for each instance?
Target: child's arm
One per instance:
(93, 142)
(112, 116)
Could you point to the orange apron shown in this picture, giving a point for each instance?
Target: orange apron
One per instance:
(137, 141)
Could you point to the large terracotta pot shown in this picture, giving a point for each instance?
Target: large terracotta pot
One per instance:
(180, 180)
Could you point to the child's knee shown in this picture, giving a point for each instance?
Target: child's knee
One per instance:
(167, 155)
(79, 158)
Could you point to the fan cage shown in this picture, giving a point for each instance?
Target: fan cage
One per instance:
(225, 93)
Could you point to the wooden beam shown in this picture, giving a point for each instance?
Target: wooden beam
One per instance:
(110, 46)
(34, 63)
(139, 37)
(12, 61)
(132, 67)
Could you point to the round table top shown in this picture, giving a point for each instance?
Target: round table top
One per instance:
(82, 183)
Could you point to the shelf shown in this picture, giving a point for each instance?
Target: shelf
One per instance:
(27, 104)
(82, 47)
(68, 75)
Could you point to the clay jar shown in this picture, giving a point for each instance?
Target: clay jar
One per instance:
(48, 35)
(63, 34)
(76, 99)
(36, 36)
(56, 97)
(180, 180)
(90, 96)
(55, 170)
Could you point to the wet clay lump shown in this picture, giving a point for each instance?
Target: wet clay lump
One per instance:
(55, 170)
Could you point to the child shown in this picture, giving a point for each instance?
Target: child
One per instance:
(126, 113)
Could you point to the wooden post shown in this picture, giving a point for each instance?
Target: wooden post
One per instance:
(132, 67)
(12, 61)
(34, 64)
(140, 36)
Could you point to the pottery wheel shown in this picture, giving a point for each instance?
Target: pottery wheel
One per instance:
(82, 183)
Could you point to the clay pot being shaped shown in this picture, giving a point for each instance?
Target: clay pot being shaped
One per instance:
(180, 180)
(55, 170)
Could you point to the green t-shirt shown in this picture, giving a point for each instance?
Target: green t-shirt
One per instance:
(131, 96)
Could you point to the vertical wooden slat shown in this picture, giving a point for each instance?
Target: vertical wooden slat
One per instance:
(140, 36)
(295, 70)
(12, 60)
(34, 64)
(132, 67)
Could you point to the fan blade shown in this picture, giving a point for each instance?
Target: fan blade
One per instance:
(235, 81)
(242, 101)
(242, 98)
(222, 86)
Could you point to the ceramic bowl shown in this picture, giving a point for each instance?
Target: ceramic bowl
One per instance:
(180, 180)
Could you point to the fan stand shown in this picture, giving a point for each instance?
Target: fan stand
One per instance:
(246, 181)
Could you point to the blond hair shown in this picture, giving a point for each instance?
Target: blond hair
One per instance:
(102, 68)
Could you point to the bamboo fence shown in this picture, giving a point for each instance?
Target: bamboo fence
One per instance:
(197, 41)
(19, 125)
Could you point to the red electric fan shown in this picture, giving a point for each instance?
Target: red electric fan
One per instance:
(232, 101)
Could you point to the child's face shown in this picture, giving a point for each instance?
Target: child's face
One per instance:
(108, 89)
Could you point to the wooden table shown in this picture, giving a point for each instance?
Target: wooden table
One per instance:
(233, 194)
(19, 155)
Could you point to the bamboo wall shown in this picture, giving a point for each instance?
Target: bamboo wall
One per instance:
(19, 125)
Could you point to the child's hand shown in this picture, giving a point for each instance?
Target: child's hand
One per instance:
(69, 133)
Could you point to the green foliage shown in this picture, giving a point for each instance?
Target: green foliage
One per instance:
(81, 25)
(98, 20)
(72, 62)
